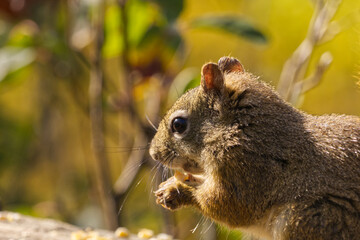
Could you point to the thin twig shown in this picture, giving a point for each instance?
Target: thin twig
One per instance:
(296, 66)
(132, 167)
(101, 169)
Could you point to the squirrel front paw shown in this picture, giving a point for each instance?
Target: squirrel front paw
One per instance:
(173, 194)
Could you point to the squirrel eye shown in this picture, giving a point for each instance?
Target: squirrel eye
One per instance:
(179, 125)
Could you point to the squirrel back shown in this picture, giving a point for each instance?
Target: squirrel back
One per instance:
(252, 161)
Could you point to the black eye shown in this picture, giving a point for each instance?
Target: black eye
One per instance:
(179, 125)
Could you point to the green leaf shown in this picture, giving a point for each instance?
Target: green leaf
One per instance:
(192, 84)
(152, 32)
(140, 16)
(13, 59)
(231, 24)
(172, 37)
(114, 44)
(171, 8)
(183, 81)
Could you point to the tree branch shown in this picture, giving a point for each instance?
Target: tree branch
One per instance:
(101, 169)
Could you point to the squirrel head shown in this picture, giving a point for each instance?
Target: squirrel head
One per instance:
(208, 119)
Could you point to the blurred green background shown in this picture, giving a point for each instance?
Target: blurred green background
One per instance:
(80, 80)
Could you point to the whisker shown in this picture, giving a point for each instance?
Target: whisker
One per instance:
(168, 158)
(151, 124)
(133, 148)
(154, 173)
(196, 227)
(177, 92)
(145, 146)
(127, 195)
(154, 176)
(177, 189)
(207, 229)
(124, 150)
(157, 164)
(164, 173)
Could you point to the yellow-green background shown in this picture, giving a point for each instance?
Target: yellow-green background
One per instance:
(45, 146)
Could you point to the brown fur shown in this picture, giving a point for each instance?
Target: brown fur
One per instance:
(268, 168)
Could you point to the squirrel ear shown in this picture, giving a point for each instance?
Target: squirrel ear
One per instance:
(212, 77)
(230, 64)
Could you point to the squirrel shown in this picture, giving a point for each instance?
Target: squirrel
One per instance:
(249, 160)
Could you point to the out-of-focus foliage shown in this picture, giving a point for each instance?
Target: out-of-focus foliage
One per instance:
(46, 53)
(232, 25)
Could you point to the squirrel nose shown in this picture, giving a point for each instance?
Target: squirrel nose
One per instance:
(152, 152)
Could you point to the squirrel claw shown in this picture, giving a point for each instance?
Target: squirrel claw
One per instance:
(168, 198)
(169, 195)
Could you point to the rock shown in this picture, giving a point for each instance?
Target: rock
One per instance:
(15, 226)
